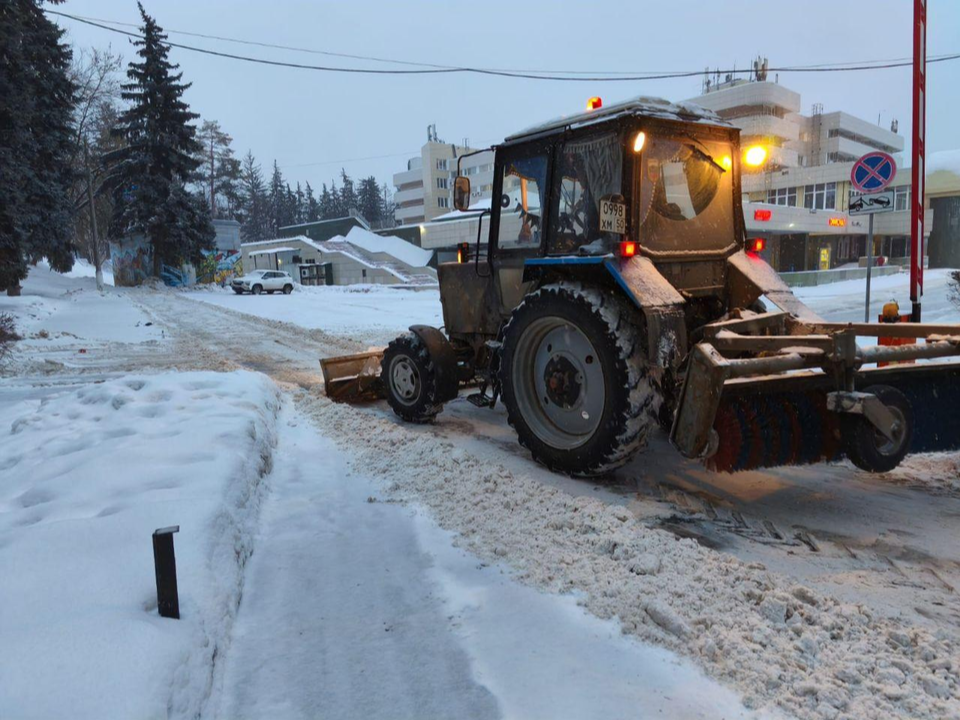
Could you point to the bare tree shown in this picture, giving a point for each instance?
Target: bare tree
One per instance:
(96, 74)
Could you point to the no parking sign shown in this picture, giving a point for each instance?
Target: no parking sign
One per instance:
(873, 172)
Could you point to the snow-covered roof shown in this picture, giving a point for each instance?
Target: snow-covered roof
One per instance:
(271, 251)
(478, 207)
(298, 238)
(358, 218)
(399, 269)
(640, 107)
(391, 245)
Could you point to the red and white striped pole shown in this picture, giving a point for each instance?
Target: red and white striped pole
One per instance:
(918, 152)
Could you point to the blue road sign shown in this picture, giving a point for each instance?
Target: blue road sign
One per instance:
(873, 172)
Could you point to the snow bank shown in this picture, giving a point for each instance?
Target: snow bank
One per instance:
(389, 244)
(55, 308)
(83, 268)
(87, 475)
(781, 643)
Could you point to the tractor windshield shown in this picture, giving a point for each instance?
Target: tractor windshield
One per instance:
(686, 195)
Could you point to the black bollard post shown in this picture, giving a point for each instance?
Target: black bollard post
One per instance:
(165, 564)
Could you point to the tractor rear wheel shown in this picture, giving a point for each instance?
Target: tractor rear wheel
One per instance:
(868, 448)
(410, 379)
(574, 378)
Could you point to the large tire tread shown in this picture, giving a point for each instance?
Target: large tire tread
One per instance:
(427, 408)
(622, 328)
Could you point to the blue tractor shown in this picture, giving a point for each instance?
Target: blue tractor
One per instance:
(611, 288)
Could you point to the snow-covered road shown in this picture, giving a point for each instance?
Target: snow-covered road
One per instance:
(359, 608)
(345, 608)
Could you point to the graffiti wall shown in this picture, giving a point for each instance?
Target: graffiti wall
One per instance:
(219, 266)
(132, 261)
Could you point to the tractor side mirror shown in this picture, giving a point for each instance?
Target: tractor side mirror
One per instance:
(461, 193)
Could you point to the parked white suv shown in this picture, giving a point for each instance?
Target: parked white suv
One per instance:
(268, 281)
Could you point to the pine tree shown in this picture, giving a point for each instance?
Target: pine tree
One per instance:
(301, 205)
(160, 158)
(289, 215)
(348, 195)
(312, 213)
(219, 171)
(368, 201)
(336, 202)
(326, 203)
(276, 201)
(36, 130)
(255, 222)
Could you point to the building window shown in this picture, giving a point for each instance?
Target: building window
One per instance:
(782, 196)
(442, 183)
(443, 202)
(441, 164)
(901, 197)
(822, 196)
(363, 272)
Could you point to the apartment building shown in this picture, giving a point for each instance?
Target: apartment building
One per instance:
(798, 199)
(425, 189)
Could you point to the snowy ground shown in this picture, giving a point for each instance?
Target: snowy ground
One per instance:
(367, 313)
(89, 472)
(302, 594)
(520, 599)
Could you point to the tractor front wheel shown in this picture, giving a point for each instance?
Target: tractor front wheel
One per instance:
(574, 378)
(868, 448)
(410, 379)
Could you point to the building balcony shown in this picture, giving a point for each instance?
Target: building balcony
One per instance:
(405, 196)
(768, 126)
(407, 177)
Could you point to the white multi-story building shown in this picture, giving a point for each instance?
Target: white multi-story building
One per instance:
(798, 199)
(425, 189)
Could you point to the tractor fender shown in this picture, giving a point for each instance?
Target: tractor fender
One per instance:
(444, 360)
(750, 276)
(640, 281)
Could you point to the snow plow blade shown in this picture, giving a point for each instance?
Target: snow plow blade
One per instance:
(353, 378)
(770, 390)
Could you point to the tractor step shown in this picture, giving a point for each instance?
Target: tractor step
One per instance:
(481, 400)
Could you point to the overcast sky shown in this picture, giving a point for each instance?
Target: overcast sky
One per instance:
(313, 123)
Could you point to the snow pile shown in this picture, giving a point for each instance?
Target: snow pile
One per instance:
(55, 306)
(780, 643)
(391, 245)
(934, 472)
(87, 476)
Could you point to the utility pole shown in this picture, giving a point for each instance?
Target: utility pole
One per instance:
(918, 151)
(866, 311)
(213, 200)
(91, 208)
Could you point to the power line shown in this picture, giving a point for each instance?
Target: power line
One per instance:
(867, 65)
(349, 160)
(372, 58)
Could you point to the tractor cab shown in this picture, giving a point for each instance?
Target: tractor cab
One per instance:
(645, 178)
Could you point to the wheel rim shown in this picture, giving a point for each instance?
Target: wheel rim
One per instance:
(886, 446)
(404, 380)
(558, 383)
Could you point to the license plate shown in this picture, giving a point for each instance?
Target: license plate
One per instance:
(613, 217)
